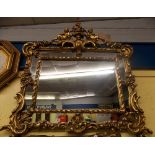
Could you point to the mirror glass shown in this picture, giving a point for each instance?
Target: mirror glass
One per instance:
(77, 84)
(67, 117)
(66, 84)
(121, 64)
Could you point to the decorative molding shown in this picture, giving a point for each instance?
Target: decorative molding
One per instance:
(78, 40)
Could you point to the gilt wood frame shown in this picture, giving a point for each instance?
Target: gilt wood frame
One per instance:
(77, 40)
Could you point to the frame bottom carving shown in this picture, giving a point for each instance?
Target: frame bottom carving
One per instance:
(131, 122)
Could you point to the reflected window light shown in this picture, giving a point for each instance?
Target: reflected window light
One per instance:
(77, 96)
(48, 97)
(100, 71)
(40, 97)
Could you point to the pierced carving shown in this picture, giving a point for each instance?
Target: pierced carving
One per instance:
(36, 83)
(134, 122)
(77, 124)
(20, 122)
(133, 97)
(78, 40)
(26, 78)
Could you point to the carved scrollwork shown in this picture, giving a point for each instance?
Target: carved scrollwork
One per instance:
(126, 51)
(133, 97)
(110, 132)
(64, 36)
(134, 122)
(19, 121)
(77, 125)
(78, 40)
(28, 49)
(48, 125)
(26, 78)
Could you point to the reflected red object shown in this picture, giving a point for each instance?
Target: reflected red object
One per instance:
(63, 118)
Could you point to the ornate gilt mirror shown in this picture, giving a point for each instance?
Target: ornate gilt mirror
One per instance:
(78, 83)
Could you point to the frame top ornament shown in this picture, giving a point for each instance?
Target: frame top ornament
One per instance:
(78, 40)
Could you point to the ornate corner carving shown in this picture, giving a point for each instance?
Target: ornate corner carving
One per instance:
(134, 123)
(20, 121)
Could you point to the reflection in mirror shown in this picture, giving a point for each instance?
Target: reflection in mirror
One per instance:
(28, 97)
(121, 64)
(77, 85)
(66, 117)
(66, 53)
(33, 67)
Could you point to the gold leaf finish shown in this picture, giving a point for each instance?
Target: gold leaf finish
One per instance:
(78, 40)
